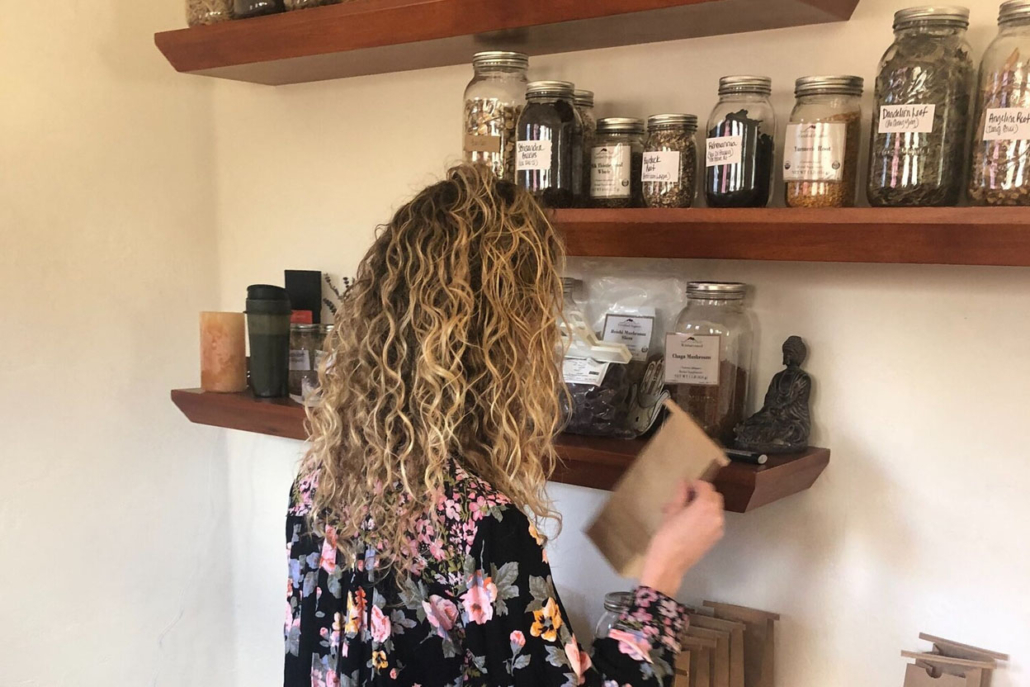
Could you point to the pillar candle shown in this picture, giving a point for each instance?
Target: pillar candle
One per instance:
(223, 352)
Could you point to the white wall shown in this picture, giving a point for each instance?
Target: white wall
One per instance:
(919, 522)
(114, 545)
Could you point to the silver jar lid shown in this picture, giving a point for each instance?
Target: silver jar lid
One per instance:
(936, 16)
(304, 328)
(617, 602)
(828, 85)
(583, 98)
(717, 290)
(745, 84)
(1013, 10)
(679, 121)
(620, 125)
(500, 58)
(539, 89)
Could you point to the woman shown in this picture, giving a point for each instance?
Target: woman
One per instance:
(413, 548)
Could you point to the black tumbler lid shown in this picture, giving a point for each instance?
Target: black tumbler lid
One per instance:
(267, 299)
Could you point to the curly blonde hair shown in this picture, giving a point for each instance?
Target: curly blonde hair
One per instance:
(444, 348)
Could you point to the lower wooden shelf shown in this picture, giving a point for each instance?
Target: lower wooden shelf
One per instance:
(586, 461)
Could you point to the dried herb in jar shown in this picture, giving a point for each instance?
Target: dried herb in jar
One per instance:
(831, 194)
(716, 408)
(745, 184)
(202, 12)
(669, 163)
(616, 163)
(601, 410)
(490, 134)
(304, 4)
(1000, 172)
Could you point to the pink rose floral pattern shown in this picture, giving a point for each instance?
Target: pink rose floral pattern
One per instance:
(478, 608)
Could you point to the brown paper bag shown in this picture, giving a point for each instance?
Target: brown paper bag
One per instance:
(736, 632)
(701, 656)
(759, 642)
(680, 450)
(682, 676)
(720, 656)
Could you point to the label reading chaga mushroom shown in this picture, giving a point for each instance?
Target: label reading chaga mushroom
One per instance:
(611, 171)
(662, 165)
(815, 151)
(1007, 124)
(584, 371)
(532, 155)
(723, 150)
(916, 119)
(692, 359)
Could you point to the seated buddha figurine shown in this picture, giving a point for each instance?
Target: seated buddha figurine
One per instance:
(783, 424)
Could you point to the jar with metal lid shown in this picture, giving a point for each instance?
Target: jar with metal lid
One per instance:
(921, 111)
(245, 9)
(305, 340)
(493, 102)
(201, 12)
(1000, 168)
(708, 357)
(585, 106)
(739, 149)
(820, 157)
(615, 604)
(669, 167)
(549, 146)
(616, 161)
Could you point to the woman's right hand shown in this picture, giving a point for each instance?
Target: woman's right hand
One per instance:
(693, 524)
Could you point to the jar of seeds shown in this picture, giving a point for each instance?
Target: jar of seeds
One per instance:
(739, 149)
(670, 161)
(493, 102)
(616, 161)
(585, 106)
(549, 149)
(921, 112)
(304, 4)
(1000, 170)
(201, 12)
(820, 157)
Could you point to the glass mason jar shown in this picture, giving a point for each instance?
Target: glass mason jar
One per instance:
(305, 340)
(615, 163)
(245, 9)
(1000, 169)
(921, 110)
(549, 147)
(493, 102)
(615, 604)
(820, 157)
(201, 12)
(669, 167)
(739, 150)
(708, 357)
(585, 106)
(304, 4)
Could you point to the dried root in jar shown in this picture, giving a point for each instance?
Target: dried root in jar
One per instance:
(202, 12)
(490, 134)
(665, 194)
(831, 194)
(1000, 173)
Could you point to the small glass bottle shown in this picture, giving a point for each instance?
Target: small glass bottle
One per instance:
(245, 9)
(708, 357)
(1000, 168)
(494, 99)
(921, 110)
(820, 157)
(585, 106)
(202, 12)
(549, 147)
(615, 604)
(616, 161)
(669, 167)
(739, 150)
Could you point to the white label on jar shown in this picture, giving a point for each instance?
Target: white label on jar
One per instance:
(610, 171)
(300, 360)
(532, 155)
(692, 359)
(661, 165)
(1007, 123)
(815, 151)
(631, 330)
(584, 371)
(723, 150)
(916, 119)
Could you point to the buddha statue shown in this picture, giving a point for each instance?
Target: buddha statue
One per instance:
(783, 424)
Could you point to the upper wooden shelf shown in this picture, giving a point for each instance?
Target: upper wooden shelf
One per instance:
(945, 236)
(587, 461)
(377, 36)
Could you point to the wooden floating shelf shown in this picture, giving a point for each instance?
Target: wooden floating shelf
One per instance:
(587, 461)
(944, 236)
(377, 36)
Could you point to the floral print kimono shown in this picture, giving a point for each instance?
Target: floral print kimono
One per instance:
(479, 608)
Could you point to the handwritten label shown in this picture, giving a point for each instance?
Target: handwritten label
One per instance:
(532, 155)
(692, 359)
(815, 151)
(583, 371)
(610, 171)
(1007, 123)
(916, 119)
(632, 330)
(300, 360)
(661, 166)
(724, 150)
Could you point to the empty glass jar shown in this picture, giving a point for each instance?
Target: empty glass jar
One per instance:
(921, 111)
(615, 604)
(739, 149)
(549, 148)
(493, 103)
(670, 161)
(615, 163)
